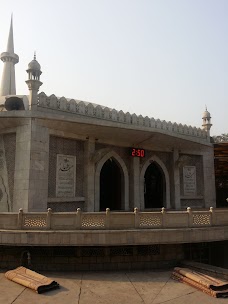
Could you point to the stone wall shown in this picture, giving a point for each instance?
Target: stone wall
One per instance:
(196, 200)
(77, 148)
(121, 151)
(10, 147)
(66, 206)
(73, 258)
(92, 258)
(65, 146)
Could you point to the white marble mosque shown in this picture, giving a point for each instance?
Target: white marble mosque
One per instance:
(65, 154)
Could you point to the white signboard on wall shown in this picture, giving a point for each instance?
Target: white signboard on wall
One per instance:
(65, 175)
(189, 179)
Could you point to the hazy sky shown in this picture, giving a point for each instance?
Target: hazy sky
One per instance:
(163, 58)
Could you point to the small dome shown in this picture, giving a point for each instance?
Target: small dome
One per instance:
(34, 65)
(206, 114)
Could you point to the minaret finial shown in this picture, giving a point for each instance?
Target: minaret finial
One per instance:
(34, 55)
(8, 84)
(10, 44)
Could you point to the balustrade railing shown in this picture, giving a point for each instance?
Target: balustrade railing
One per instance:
(113, 220)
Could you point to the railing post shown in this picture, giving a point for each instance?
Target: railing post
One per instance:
(163, 211)
(190, 221)
(49, 211)
(107, 219)
(20, 219)
(213, 218)
(78, 219)
(136, 212)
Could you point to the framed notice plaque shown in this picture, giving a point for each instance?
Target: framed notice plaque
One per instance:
(189, 179)
(65, 175)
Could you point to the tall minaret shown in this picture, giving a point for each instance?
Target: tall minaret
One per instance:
(8, 85)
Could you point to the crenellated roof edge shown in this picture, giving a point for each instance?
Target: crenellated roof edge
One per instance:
(100, 112)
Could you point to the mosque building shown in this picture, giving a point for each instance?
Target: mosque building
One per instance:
(66, 154)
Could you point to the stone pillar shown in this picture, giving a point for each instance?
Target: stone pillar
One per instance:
(33, 99)
(176, 178)
(31, 168)
(22, 167)
(209, 178)
(5, 202)
(33, 86)
(135, 183)
(39, 161)
(89, 175)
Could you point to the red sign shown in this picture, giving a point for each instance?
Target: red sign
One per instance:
(136, 152)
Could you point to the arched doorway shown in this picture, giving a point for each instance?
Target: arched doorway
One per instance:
(124, 179)
(111, 186)
(154, 186)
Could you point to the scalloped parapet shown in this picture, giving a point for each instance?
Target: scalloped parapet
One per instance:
(105, 113)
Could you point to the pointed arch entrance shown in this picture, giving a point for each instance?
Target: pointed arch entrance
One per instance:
(155, 185)
(111, 183)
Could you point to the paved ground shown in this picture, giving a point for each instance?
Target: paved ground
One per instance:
(133, 287)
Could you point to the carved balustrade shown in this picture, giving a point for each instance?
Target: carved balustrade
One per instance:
(79, 220)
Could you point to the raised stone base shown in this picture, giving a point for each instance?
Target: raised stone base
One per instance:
(92, 258)
(96, 258)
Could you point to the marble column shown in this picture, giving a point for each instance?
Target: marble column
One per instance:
(89, 174)
(39, 162)
(176, 178)
(209, 178)
(31, 167)
(22, 167)
(135, 183)
(5, 201)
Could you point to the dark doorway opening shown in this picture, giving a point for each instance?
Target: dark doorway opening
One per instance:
(110, 186)
(153, 187)
(221, 184)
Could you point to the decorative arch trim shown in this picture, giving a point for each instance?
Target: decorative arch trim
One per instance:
(167, 181)
(111, 154)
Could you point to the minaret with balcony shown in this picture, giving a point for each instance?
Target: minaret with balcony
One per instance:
(33, 82)
(206, 121)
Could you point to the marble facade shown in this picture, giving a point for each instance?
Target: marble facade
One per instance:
(68, 154)
(42, 139)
